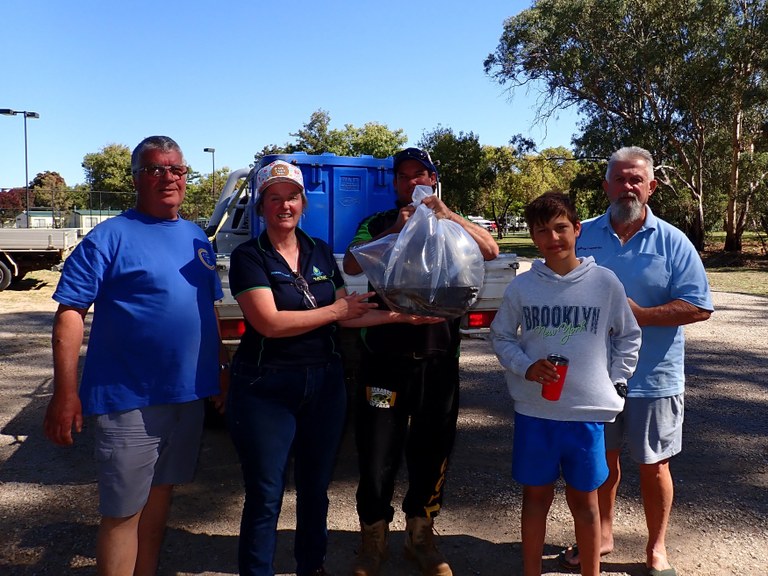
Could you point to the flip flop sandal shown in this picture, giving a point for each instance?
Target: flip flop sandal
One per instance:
(566, 564)
(665, 572)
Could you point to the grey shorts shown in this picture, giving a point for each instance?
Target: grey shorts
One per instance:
(653, 428)
(141, 448)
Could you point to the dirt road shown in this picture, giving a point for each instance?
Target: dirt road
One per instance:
(719, 526)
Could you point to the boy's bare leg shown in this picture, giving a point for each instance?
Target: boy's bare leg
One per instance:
(586, 520)
(536, 503)
(606, 496)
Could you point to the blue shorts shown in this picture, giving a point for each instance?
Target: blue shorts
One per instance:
(138, 449)
(541, 448)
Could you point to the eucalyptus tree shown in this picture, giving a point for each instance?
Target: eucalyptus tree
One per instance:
(665, 77)
(499, 181)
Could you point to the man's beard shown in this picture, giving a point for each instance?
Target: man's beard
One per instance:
(625, 211)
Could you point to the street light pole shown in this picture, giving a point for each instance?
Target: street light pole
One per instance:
(213, 171)
(26, 114)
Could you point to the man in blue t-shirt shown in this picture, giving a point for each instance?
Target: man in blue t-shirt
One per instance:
(153, 356)
(667, 287)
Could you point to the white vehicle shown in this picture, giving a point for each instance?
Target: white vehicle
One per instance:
(489, 225)
(23, 250)
(341, 192)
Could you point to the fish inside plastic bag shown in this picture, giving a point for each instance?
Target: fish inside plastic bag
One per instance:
(432, 267)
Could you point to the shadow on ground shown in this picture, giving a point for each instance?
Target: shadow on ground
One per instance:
(48, 512)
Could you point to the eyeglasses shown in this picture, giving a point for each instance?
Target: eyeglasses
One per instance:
(302, 286)
(158, 171)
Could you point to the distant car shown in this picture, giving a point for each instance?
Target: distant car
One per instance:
(489, 225)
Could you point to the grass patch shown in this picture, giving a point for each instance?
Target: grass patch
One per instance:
(520, 244)
(745, 272)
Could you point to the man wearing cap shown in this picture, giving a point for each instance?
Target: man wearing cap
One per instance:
(408, 399)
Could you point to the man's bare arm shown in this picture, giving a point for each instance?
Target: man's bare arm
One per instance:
(674, 313)
(64, 409)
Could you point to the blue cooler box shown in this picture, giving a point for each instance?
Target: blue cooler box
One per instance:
(341, 191)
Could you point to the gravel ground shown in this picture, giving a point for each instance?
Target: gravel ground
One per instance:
(719, 526)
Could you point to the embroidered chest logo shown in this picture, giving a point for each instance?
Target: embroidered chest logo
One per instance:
(318, 275)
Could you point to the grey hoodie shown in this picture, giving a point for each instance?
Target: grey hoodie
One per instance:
(583, 316)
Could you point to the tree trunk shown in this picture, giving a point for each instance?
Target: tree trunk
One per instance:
(732, 235)
(696, 233)
(732, 242)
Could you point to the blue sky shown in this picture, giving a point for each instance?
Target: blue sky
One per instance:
(238, 75)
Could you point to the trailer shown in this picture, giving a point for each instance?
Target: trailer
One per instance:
(23, 250)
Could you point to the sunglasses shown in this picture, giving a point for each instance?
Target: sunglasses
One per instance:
(302, 286)
(158, 171)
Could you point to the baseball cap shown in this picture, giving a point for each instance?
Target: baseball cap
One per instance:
(278, 171)
(417, 154)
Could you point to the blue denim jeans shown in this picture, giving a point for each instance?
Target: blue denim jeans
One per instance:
(273, 414)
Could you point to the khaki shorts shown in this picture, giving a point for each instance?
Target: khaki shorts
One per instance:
(652, 427)
(146, 447)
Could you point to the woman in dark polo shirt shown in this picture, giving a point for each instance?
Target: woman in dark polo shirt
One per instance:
(287, 385)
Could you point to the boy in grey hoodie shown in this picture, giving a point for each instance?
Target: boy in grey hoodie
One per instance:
(574, 308)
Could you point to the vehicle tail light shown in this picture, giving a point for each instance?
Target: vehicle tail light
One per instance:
(232, 329)
(480, 318)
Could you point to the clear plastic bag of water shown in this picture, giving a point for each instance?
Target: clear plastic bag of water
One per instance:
(432, 267)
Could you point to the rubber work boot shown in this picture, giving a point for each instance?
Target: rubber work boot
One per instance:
(373, 550)
(420, 547)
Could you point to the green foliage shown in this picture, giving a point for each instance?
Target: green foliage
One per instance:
(459, 161)
(50, 191)
(316, 137)
(587, 190)
(77, 197)
(499, 180)
(688, 83)
(374, 139)
(758, 170)
(512, 176)
(48, 180)
(203, 192)
(109, 170)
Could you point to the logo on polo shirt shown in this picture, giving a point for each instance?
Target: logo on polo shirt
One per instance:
(318, 275)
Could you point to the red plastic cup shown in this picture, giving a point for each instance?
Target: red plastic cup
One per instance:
(552, 390)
